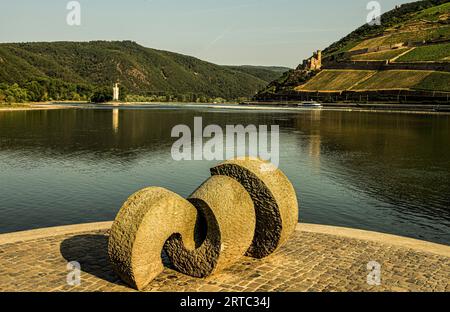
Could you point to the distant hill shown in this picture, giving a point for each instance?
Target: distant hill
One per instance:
(266, 73)
(81, 67)
(407, 56)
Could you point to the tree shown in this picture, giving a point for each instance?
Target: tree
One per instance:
(102, 95)
(2, 96)
(35, 90)
(74, 96)
(123, 94)
(14, 93)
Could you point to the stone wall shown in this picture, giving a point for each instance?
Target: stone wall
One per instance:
(376, 96)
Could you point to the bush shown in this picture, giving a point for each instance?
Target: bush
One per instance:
(16, 94)
(123, 94)
(36, 91)
(102, 95)
(44, 90)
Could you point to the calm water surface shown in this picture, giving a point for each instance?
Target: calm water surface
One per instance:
(377, 171)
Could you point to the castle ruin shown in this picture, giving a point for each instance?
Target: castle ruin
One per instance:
(314, 62)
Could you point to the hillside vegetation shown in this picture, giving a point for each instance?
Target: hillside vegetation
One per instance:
(335, 80)
(393, 79)
(76, 70)
(360, 80)
(436, 52)
(409, 51)
(266, 73)
(379, 56)
(398, 25)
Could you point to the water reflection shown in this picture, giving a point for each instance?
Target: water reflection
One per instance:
(400, 160)
(383, 172)
(115, 120)
(315, 144)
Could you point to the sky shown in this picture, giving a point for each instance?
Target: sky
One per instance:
(227, 32)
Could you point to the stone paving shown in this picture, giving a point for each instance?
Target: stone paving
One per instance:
(308, 262)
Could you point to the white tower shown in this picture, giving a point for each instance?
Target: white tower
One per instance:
(116, 92)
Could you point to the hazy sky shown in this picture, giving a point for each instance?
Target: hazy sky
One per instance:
(257, 32)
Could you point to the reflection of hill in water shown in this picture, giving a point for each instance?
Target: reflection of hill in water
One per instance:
(90, 130)
(106, 133)
(397, 163)
(388, 156)
(400, 159)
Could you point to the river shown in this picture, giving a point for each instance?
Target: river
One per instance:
(386, 172)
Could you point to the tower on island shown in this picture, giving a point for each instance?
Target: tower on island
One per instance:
(116, 92)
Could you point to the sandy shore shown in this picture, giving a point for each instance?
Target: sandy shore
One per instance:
(35, 106)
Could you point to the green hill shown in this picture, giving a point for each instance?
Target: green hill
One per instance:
(73, 70)
(409, 52)
(420, 20)
(266, 73)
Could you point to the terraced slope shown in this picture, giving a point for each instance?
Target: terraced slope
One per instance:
(430, 33)
(380, 56)
(430, 53)
(415, 21)
(360, 80)
(409, 52)
(335, 80)
(393, 79)
(435, 81)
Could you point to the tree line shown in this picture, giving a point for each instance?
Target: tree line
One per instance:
(44, 90)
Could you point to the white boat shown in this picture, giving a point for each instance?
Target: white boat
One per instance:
(312, 104)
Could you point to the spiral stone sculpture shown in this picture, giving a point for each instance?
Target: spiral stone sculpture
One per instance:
(274, 199)
(247, 207)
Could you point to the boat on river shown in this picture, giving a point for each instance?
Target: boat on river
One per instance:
(310, 104)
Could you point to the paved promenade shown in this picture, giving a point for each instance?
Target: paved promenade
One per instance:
(316, 258)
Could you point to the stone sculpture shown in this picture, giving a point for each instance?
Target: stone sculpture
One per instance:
(247, 207)
(274, 199)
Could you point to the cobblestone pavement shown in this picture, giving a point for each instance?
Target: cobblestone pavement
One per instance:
(308, 262)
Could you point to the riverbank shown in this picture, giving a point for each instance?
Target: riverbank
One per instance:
(366, 107)
(316, 258)
(266, 106)
(36, 106)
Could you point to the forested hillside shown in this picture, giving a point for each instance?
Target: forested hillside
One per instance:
(79, 70)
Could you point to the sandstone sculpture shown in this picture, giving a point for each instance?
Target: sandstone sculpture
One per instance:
(147, 219)
(229, 217)
(248, 207)
(274, 199)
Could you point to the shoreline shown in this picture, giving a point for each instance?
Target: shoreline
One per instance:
(365, 108)
(38, 106)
